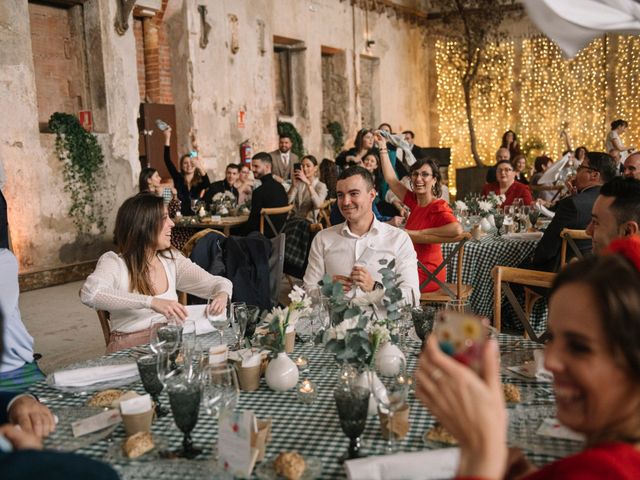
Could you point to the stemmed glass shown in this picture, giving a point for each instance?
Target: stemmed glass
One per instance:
(534, 214)
(499, 218)
(220, 388)
(390, 385)
(218, 321)
(405, 322)
(185, 392)
(238, 318)
(352, 402)
(166, 338)
(148, 368)
(253, 315)
(195, 205)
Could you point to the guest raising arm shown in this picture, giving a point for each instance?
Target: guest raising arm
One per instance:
(594, 321)
(144, 274)
(431, 220)
(192, 179)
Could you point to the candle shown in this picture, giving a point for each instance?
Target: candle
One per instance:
(307, 391)
(302, 363)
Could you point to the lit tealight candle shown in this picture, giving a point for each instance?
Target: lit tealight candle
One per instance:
(307, 392)
(302, 363)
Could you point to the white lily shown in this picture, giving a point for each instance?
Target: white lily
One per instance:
(485, 205)
(461, 206)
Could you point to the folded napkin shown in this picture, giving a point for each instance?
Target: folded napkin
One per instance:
(524, 236)
(546, 212)
(534, 369)
(82, 377)
(202, 324)
(424, 465)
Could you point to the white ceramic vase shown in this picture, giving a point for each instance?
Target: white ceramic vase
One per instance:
(282, 373)
(485, 224)
(388, 359)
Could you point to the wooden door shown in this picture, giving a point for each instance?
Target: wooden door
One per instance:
(151, 143)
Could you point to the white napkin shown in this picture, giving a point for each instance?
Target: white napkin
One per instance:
(424, 465)
(82, 377)
(546, 212)
(524, 236)
(202, 324)
(534, 369)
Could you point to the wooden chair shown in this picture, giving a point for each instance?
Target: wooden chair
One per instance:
(503, 276)
(188, 248)
(265, 215)
(104, 317)
(325, 211)
(447, 291)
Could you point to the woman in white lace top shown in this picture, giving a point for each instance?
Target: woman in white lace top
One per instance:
(307, 193)
(137, 285)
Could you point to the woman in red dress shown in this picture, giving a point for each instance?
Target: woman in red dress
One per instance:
(594, 356)
(431, 220)
(506, 185)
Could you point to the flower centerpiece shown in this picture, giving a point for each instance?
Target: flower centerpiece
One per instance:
(282, 372)
(223, 203)
(480, 205)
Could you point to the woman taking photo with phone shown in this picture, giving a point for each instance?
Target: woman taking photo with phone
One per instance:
(137, 283)
(192, 179)
(594, 356)
(307, 192)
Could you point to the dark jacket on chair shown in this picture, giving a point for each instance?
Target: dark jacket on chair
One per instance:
(573, 212)
(247, 264)
(208, 253)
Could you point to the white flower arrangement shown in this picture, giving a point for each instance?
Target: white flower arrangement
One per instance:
(223, 203)
(461, 206)
(485, 206)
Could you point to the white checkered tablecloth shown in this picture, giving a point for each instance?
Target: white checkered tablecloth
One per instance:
(480, 256)
(310, 429)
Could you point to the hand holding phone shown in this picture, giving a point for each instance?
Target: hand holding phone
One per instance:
(297, 167)
(461, 336)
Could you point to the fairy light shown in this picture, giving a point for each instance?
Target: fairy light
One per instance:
(553, 92)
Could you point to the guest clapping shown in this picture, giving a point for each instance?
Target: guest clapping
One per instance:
(593, 353)
(307, 193)
(138, 283)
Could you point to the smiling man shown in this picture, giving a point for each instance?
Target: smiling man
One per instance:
(350, 252)
(632, 166)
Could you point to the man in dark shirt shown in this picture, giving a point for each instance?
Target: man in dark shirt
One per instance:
(573, 212)
(270, 194)
(231, 175)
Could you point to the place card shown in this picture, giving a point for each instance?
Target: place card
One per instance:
(235, 432)
(551, 427)
(96, 422)
(139, 404)
(218, 354)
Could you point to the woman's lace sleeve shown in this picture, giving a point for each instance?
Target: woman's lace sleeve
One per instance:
(193, 279)
(102, 291)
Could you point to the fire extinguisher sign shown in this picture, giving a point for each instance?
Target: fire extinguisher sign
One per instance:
(241, 118)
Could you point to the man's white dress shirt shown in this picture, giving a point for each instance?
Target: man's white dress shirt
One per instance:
(336, 250)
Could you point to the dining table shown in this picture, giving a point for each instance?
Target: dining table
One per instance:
(185, 227)
(311, 429)
(480, 257)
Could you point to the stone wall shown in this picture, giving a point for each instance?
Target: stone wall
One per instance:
(209, 87)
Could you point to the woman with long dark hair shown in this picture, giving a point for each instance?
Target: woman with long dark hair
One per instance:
(307, 192)
(510, 141)
(137, 283)
(594, 356)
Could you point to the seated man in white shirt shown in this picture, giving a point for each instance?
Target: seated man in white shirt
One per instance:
(350, 252)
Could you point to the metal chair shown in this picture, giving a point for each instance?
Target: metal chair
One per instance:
(447, 291)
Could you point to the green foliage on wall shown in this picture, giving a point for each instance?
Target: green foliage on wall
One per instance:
(335, 129)
(83, 160)
(287, 128)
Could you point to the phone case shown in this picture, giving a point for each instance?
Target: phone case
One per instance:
(462, 336)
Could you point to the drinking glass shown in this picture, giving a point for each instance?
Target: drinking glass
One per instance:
(195, 205)
(499, 218)
(184, 396)
(166, 338)
(220, 388)
(238, 321)
(253, 316)
(148, 368)
(405, 322)
(219, 321)
(390, 387)
(534, 214)
(462, 306)
(352, 402)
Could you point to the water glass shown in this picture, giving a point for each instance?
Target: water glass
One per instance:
(220, 388)
(184, 396)
(218, 321)
(166, 338)
(462, 306)
(352, 402)
(148, 368)
(238, 318)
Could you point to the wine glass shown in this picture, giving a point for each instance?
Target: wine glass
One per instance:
(148, 368)
(166, 338)
(253, 315)
(405, 323)
(534, 214)
(184, 396)
(390, 385)
(238, 320)
(220, 388)
(218, 321)
(498, 218)
(195, 205)
(462, 306)
(352, 402)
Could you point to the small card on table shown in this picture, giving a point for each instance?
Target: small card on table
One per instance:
(235, 453)
(96, 422)
(551, 427)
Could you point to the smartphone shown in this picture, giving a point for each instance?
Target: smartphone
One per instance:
(462, 336)
(297, 167)
(193, 154)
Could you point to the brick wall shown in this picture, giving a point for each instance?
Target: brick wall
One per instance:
(154, 76)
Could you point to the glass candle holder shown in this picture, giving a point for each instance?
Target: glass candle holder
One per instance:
(307, 391)
(302, 363)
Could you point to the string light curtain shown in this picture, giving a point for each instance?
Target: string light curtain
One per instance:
(553, 95)
(491, 105)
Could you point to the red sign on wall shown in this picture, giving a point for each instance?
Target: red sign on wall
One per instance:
(86, 119)
(241, 118)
